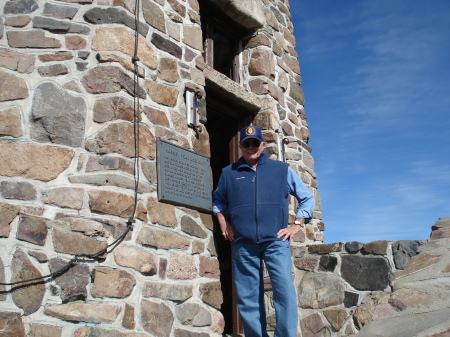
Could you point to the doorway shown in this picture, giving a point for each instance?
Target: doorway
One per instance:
(223, 125)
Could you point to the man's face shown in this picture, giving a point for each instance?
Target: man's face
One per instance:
(251, 150)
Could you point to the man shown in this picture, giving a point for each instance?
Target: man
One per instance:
(251, 205)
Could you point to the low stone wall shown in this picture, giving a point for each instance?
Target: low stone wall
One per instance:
(339, 284)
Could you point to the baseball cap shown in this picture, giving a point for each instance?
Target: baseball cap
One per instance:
(251, 132)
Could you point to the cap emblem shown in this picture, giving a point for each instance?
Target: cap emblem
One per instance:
(250, 131)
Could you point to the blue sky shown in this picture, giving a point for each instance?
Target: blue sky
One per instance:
(376, 77)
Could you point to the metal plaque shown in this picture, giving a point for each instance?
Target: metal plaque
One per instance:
(184, 177)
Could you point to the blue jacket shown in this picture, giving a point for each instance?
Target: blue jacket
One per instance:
(257, 200)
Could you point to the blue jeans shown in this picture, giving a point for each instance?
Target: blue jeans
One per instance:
(248, 279)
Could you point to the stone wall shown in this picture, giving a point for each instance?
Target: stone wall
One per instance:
(67, 168)
(380, 288)
(340, 284)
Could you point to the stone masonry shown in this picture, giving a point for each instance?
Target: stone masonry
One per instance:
(67, 180)
(67, 159)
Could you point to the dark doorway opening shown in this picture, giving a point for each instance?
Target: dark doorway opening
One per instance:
(223, 125)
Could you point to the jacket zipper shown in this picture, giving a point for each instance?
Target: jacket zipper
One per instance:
(256, 207)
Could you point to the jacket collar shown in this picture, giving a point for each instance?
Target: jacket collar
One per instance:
(242, 164)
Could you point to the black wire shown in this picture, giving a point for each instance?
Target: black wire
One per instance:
(131, 220)
(135, 59)
(72, 262)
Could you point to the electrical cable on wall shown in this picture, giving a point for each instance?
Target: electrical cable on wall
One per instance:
(136, 171)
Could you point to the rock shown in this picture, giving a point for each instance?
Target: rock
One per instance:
(10, 123)
(166, 45)
(161, 213)
(209, 267)
(119, 138)
(168, 70)
(11, 324)
(32, 229)
(34, 161)
(2, 287)
(75, 42)
(153, 314)
(12, 87)
(157, 116)
(377, 247)
(154, 15)
(72, 282)
(162, 94)
(404, 299)
(76, 244)
(262, 63)
(41, 330)
(418, 263)
(403, 250)
(321, 290)
(19, 190)
(109, 202)
(121, 39)
(353, 247)
(109, 162)
(407, 326)
(162, 239)
(90, 331)
(128, 317)
(114, 15)
(337, 317)
(328, 263)
(20, 62)
(8, 212)
(167, 291)
(52, 122)
(67, 197)
(18, 21)
(292, 63)
(296, 92)
(109, 79)
(20, 7)
(314, 326)
(211, 293)
(58, 56)
(112, 179)
(306, 263)
(351, 299)
(111, 282)
(113, 108)
(188, 333)
(28, 296)
(31, 39)
(181, 266)
(59, 11)
(364, 313)
(365, 273)
(83, 312)
(177, 7)
(193, 314)
(137, 258)
(52, 25)
(41, 257)
(247, 13)
(189, 226)
(193, 37)
(86, 226)
(325, 248)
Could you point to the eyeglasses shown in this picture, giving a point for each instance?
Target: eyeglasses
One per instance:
(255, 143)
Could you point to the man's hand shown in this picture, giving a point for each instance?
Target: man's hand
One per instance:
(289, 232)
(225, 227)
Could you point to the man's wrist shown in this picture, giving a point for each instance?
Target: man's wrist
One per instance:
(299, 222)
